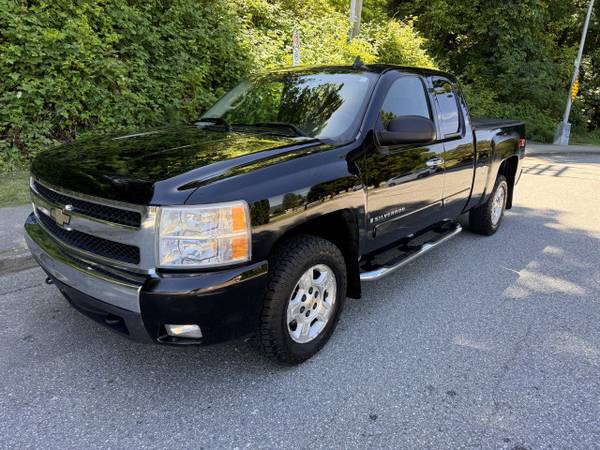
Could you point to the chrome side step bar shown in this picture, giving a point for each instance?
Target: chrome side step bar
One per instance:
(395, 264)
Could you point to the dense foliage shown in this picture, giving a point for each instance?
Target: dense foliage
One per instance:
(71, 67)
(67, 66)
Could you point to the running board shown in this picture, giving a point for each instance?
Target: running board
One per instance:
(409, 256)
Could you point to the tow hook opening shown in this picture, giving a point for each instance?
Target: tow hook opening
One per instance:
(113, 321)
(49, 280)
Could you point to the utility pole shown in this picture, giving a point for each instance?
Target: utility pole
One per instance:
(295, 47)
(355, 14)
(564, 129)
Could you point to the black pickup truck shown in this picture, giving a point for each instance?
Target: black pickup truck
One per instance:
(292, 190)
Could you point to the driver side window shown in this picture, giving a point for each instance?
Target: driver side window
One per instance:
(406, 97)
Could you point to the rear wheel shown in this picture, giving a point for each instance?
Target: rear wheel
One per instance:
(486, 219)
(305, 295)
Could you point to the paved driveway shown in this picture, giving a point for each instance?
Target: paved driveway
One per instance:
(484, 343)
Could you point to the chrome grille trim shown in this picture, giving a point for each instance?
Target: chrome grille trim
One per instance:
(94, 210)
(89, 198)
(89, 243)
(142, 237)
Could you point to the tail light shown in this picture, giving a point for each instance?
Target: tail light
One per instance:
(522, 143)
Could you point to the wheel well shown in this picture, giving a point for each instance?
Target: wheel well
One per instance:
(508, 168)
(341, 228)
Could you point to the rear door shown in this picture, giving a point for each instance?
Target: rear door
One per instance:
(454, 131)
(405, 181)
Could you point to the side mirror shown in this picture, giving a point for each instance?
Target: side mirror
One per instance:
(408, 130)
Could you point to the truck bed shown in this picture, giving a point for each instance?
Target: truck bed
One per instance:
(479, 124)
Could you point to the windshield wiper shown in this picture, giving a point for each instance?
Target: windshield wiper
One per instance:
(216, 121)
(277, 125)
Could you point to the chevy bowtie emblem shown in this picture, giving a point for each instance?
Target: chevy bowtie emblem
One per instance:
(60, 217)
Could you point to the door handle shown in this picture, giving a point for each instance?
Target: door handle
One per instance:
(435, 162)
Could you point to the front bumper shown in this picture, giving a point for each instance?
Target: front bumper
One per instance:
(225, 303)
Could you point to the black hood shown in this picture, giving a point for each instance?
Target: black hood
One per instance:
(159, 166)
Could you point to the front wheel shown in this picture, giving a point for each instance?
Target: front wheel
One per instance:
(486, 219)
(304, 298)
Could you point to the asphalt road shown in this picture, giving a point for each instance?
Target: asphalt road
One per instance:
(483, 343)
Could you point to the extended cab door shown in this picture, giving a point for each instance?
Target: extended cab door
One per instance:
(455, 132)
(405, 182)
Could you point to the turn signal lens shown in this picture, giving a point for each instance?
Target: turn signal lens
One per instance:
(238, 219)
(239, 247)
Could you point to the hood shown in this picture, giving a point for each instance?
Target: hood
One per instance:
(160, 166)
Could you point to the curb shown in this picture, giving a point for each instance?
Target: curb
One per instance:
(547, 149)
(562, 152)
(15, 260)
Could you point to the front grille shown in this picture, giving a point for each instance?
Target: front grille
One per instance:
(101, 247)
(104, 212)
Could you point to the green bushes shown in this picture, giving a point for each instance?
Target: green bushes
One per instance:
(483, 102)
(73, 67)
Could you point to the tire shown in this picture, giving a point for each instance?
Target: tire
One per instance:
(287, 294)
(486, 219)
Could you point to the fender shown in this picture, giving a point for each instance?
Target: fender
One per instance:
(504, 144)
(287, 193)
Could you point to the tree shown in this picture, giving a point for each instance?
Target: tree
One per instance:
(515, 57)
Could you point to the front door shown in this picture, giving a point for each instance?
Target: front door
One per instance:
(405, 182)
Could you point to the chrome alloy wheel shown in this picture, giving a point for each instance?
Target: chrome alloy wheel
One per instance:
(311, 304)
(498, 204)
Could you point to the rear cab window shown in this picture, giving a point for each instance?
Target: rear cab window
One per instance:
(448, 116)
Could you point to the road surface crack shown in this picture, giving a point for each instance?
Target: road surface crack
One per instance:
(14, 291)
(501, 375)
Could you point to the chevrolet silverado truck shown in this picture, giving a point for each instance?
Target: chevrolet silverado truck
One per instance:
(291, 191)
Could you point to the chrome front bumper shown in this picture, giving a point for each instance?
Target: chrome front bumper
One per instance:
(116, 288)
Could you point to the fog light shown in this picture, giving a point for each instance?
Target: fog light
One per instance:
(184, 331)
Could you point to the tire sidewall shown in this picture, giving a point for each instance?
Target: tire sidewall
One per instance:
(501, 183)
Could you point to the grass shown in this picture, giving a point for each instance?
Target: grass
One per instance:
(14, 188)
(590, 138)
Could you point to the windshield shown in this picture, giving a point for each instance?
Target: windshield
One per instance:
(326, 106)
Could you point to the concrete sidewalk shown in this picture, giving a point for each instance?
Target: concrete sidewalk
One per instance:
(549, 149)
(14, 254)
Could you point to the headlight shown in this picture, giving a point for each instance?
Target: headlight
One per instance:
(204, 236)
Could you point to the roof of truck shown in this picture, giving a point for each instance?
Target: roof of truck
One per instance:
(373, 68)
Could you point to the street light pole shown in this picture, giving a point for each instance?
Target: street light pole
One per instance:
(564, 129)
